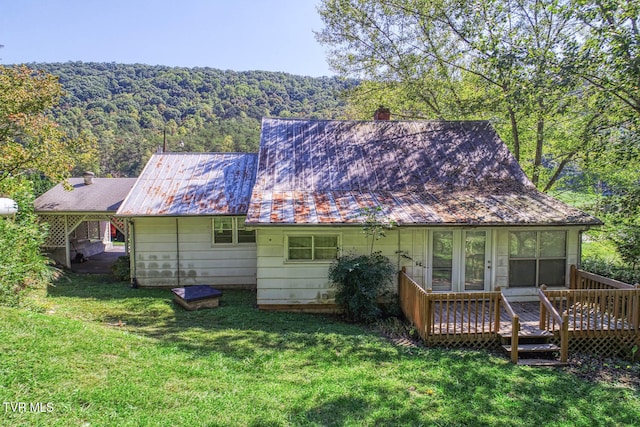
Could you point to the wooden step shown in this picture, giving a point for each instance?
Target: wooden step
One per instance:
(533, 348)
(542, 362)
(527, 333)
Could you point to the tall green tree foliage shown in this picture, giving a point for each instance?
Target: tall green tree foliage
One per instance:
(609, 62)
(511, 61)
(30, 140)
(129, 108)
(31, 143)
(21, 263)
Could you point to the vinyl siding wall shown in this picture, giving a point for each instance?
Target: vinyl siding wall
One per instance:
(282, 282)
(306, 282)
(159, 242)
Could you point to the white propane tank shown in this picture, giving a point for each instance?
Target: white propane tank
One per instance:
(8, 207)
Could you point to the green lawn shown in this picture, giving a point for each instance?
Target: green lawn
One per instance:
(102, 354)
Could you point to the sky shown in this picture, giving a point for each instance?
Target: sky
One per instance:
(240, 35)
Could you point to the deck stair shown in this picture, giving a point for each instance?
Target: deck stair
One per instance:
(534, 348)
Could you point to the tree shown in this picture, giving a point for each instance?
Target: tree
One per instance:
(610, 55)
(30, 140)
(31, 143)
(504, 60)
(609, 63)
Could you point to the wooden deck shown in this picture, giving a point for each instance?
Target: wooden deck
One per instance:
(593, 308)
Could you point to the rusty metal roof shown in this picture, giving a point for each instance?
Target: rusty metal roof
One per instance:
(418, 172)
(192, 184)
(104, 195)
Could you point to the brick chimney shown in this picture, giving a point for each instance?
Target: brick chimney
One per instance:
(88, 177)
(382, 113)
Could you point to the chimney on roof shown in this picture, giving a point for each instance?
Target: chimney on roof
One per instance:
(382, 113)
(88, 177)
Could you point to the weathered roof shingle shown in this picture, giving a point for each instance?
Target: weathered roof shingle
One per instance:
(104, 195)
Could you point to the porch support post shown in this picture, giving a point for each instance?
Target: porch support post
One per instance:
(564, 338)
(127, 249)
(67, 251)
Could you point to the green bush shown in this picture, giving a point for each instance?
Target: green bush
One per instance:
(604, 268)
(121, 269)
(22, 265)
(360, 280)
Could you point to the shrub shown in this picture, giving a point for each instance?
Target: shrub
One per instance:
(360, 280)
(22, 265)
(614, 271)
(627, 241)
(121, 269)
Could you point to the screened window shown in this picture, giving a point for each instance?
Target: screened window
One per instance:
(312, 248)
(229, 230)
(244, 235)
(537, 258)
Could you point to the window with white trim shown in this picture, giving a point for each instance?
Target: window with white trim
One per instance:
(231, 230)
(314, 247)
(537, 258)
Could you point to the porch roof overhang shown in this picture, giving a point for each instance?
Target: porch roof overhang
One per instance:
(104, 196)
(64, 210)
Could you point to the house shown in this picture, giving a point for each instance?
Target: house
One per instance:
(468, 219)
(466, 216)
(186, 214)
(80, 220)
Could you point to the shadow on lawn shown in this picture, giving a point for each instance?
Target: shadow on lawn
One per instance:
(439, 387)
(237, 328)
(475, 391)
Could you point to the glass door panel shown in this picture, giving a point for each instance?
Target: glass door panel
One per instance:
(475, 244)
(442, 271)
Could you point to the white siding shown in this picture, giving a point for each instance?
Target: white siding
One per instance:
(295, 282)
(292, 282)
(159, 242)
(501, 265)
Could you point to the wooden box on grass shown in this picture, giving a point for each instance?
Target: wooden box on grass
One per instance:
(197, 297)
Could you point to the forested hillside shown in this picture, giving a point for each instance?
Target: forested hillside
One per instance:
(129, 108)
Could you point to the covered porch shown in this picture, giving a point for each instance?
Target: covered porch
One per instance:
(81, 217)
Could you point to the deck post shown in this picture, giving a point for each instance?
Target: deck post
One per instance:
(564, 338)
(543, 311)
(515, 333)
(573, 274)
(497, 315)
(635, 320)
(428, 317)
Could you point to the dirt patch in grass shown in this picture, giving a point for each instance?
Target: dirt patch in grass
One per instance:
(605, 370)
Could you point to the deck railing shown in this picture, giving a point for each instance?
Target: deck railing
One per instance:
(451, 316)
(550, 318)
(580, 279)
(596, 311)
(515, 327)
(597, 303)
(596, 314)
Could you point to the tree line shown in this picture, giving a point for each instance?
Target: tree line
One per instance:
(129, 110)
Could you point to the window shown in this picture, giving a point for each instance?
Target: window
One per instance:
(230, 230)
(312, 248)
(537, 258)
(244, 235)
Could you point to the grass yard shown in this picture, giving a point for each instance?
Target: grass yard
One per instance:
(98, 353)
